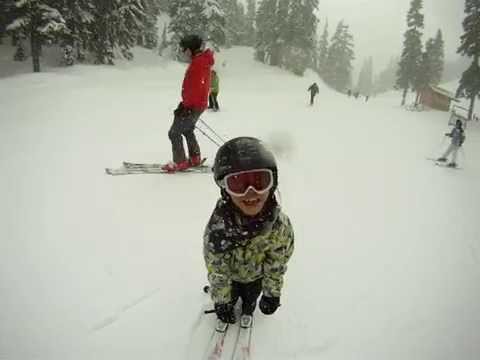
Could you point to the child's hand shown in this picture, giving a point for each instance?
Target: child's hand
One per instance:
(268, 305)
(225, 313)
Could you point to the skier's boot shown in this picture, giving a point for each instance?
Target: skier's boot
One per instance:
(173, 167)
(441, 159)
(452, 165)
(195, 160)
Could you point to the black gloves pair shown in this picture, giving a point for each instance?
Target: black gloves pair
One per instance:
(268, 305)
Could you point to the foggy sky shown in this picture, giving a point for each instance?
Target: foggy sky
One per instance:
(378, 25)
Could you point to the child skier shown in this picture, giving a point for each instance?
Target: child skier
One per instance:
(248, 240)
(195, 88)
(214, 90)
(458, 138)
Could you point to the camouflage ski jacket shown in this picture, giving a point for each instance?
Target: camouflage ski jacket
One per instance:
(230, 255)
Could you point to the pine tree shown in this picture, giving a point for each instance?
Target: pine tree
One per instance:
(437, 58)
(385, 81)
(250, 23)
(469, 86)
(266, 34)
(300, 39)
(6, 14)
(365, 78)
(235, 22)
(38, 21)
(201, 17)
(323, 51)
(340, 57)
(410, 61)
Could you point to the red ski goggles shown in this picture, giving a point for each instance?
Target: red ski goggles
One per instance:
(238, 184)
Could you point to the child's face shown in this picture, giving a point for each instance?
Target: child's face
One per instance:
(251, 203)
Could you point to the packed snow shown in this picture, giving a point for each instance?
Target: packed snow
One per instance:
(387, 258)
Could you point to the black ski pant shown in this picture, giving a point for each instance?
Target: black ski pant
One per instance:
(184, 124)
(249, 293)
(312, 98)
(213, 101)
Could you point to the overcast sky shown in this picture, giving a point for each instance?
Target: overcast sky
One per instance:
(378, 25)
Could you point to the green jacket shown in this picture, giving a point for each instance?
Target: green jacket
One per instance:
(246, 260)
(214, 83)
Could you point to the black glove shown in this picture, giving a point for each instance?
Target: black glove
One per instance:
(225, 313)
(182, 111)
(269, 305)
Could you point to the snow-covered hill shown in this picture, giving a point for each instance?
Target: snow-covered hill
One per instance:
(387, 259)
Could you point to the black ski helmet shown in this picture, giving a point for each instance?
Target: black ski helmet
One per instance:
(192, 42)
(458, 122)
(244, 153)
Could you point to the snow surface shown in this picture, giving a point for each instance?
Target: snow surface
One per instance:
(387, 258)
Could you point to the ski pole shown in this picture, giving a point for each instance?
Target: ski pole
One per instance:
(207, 136)
(210, 311)
(213, 131)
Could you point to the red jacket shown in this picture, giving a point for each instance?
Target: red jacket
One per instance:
(196, 84)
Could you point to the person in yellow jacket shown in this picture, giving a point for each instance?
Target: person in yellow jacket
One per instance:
(214, 90)
(248, 240)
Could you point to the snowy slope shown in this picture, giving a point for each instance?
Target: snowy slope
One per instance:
(387, 259)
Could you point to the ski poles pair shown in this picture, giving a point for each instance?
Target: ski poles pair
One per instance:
(212, 131)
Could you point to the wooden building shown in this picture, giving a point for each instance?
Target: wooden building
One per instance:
(436, 98)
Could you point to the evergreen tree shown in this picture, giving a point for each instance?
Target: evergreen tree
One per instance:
(6, 14)
(437, 58)
(163, 41)
(300, 38)
(202, 17)
(323, 51)
(38, 21)
(235, 22)
(266, 34)
(470, 46)
(365, 78)
(250, 23)
(385, 81)
(410, 61)
(340, 57)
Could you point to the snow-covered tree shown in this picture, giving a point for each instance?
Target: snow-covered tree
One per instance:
(250, 23)
(201, 17)
(300, 36)
(365, 78)
(339, 61)
(410, 61)
(39, 22)
(323, 45)
(437, 58)
(235, 22)
(385, 81)
(470, 46)
(266, 34)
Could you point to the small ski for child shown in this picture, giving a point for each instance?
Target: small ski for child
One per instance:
(130, 168)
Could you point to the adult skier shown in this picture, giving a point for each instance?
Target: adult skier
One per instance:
(314, 90)
(214, 90)
(458, 138)
(248, 239)
(195, 89)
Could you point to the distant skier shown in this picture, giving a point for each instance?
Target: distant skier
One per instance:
(195, 89)
(248, 239)
(349, 92)
(458, 138)
(214, 90)
(314, 90)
